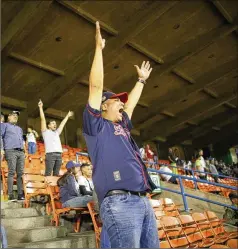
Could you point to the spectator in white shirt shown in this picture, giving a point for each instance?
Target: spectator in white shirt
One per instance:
(53, 147)
(201, 165)
(167, 178)
(31, 140)
(85, 180)
(142, 152)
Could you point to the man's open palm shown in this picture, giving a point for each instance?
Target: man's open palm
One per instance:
(144, 71)
(99, 41)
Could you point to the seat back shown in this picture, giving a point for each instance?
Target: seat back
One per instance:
(215, 222)
(174, 231)
(190, 228)
(203, 224)
(51, 180)
(33, 185)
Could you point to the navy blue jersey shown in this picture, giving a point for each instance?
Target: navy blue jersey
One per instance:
(116, 159)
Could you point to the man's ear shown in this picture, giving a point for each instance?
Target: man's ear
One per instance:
(104, 107)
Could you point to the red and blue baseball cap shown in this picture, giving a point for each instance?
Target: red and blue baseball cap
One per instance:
(71, 164)
(109, 95)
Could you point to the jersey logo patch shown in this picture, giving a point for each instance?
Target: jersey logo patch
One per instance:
(117, 176)
(119, 131)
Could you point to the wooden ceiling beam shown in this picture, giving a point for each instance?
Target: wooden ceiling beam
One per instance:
(183, 76)
(193, 112)
(175, 97)
(192, 47)
(145, 52)
(75, 71)
(215, 136)
(84, 14)
(207, 123)
(13, 103)
(37, 64)
(22, 24)
(30, 11)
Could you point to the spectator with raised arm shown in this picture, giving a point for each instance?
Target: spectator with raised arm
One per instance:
(13, 146)
(53, 147)
(31, 137)
(120, 176)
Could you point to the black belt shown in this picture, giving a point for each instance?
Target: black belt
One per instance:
(18, 149)
(125, 192)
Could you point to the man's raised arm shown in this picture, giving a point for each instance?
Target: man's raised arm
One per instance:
(96, 74)
(64, 121)
(134, 96)
(42, 116)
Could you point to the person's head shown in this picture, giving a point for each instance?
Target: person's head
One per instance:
(2, 118)
(73, 168)
(234, 198)
(212, 161)
(207, 162)
(170, 150)
(29, 129)
(200, 152)
(113, 105)
(13, 117)
(86, 170)
(51, 125)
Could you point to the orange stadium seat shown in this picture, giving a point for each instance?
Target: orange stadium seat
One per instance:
(174, 233)
(192, 232)
(232, 243)
(33, 185)
(97, 224)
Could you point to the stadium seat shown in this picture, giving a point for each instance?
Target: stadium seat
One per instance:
(232, 243)
(57, 209)
(218, 227)
(97, 224)
(218, 246)
(175, 233)
(192, 232)
(164, 243)
(33, 185)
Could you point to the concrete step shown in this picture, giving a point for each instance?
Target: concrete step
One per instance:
(11, 204)
(35, 234)
(77, 240)
(19, 212)
(25, 222)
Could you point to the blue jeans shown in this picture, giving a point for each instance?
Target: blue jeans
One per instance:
(3, 238)
(104, 239)
(129, 221)
(31, 148)
(77, 202)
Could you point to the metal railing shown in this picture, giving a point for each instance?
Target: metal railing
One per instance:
(182, 189)
(184, 194)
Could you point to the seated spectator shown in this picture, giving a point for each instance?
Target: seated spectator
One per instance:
(172, 159)
(213, 170)
(149, 155)
(231, 216)
(167, 178)
(69, 188)
(187, 166)
(31, 137)
(85, 180)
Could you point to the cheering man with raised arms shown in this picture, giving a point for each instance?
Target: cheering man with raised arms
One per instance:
(120, 177)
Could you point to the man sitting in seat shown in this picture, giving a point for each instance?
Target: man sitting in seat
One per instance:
(85, 180)
(69, 188)
(231, 216)
(167, 178)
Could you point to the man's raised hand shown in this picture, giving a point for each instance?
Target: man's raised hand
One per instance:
(99, 41)
(70, 114)
(40, 104)
(144, 71)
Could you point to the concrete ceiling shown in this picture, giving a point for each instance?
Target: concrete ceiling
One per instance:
(48, 46)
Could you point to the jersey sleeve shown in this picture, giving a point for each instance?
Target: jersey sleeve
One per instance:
(126, 122)
(92, 121)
